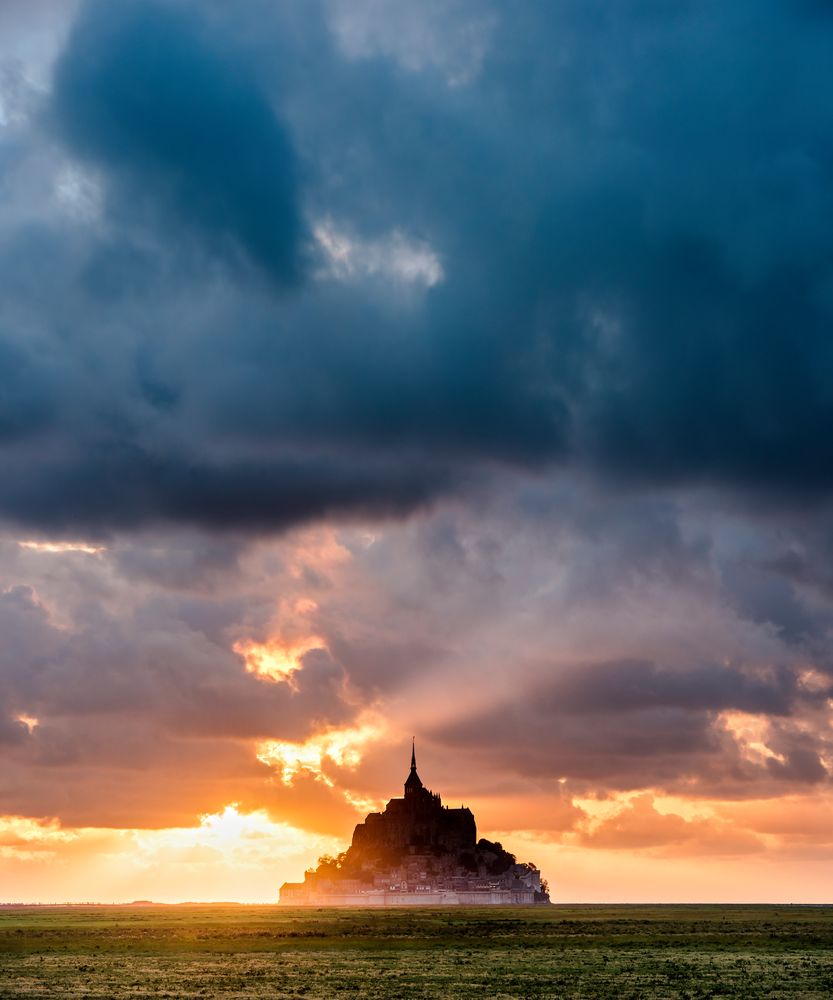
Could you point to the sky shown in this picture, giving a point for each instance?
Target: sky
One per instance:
(460, 370)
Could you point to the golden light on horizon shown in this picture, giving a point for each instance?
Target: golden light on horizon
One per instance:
(230, 854)
(233, 836)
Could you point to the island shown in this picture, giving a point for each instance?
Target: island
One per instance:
(419, 852)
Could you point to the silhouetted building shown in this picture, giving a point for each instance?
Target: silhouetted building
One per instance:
(418, 852)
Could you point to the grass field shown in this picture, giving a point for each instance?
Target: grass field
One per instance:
(558, 951)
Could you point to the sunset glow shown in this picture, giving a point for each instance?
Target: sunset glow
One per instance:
(750, 732)
(341, 747)
(53, 547)
(275, 660)
(449, 372)
(226, 855)
(28, 720)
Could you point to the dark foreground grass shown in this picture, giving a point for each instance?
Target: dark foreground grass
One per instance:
(570, 951)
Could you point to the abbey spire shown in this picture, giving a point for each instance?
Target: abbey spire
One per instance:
(413, 783)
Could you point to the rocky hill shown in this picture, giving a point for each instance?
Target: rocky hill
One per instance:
(419, 851)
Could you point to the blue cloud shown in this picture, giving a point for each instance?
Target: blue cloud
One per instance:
(181, 127)
(630, 206)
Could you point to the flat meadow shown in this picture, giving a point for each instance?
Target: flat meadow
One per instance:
(556, 951)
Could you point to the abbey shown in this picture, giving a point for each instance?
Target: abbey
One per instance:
(418, 852)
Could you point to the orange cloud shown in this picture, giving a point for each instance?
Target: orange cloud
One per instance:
(785, 820)
(639, 825)
(86, 548)
(342, 747)
(277, 660)
(751, 733)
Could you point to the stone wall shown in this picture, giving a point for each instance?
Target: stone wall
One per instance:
(495, 897)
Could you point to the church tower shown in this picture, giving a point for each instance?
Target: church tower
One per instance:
(413, 784)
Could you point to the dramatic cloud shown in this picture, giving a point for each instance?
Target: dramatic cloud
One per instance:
(552, 243)
(460, 369)
(180, 125)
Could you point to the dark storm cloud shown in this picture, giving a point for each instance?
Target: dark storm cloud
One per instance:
(768, 597)
(25, 395)
(181, 127)
(628, 209)
(626, 685)
(633, 724)
(127, 486)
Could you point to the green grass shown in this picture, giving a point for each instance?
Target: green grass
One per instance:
(559, 951)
